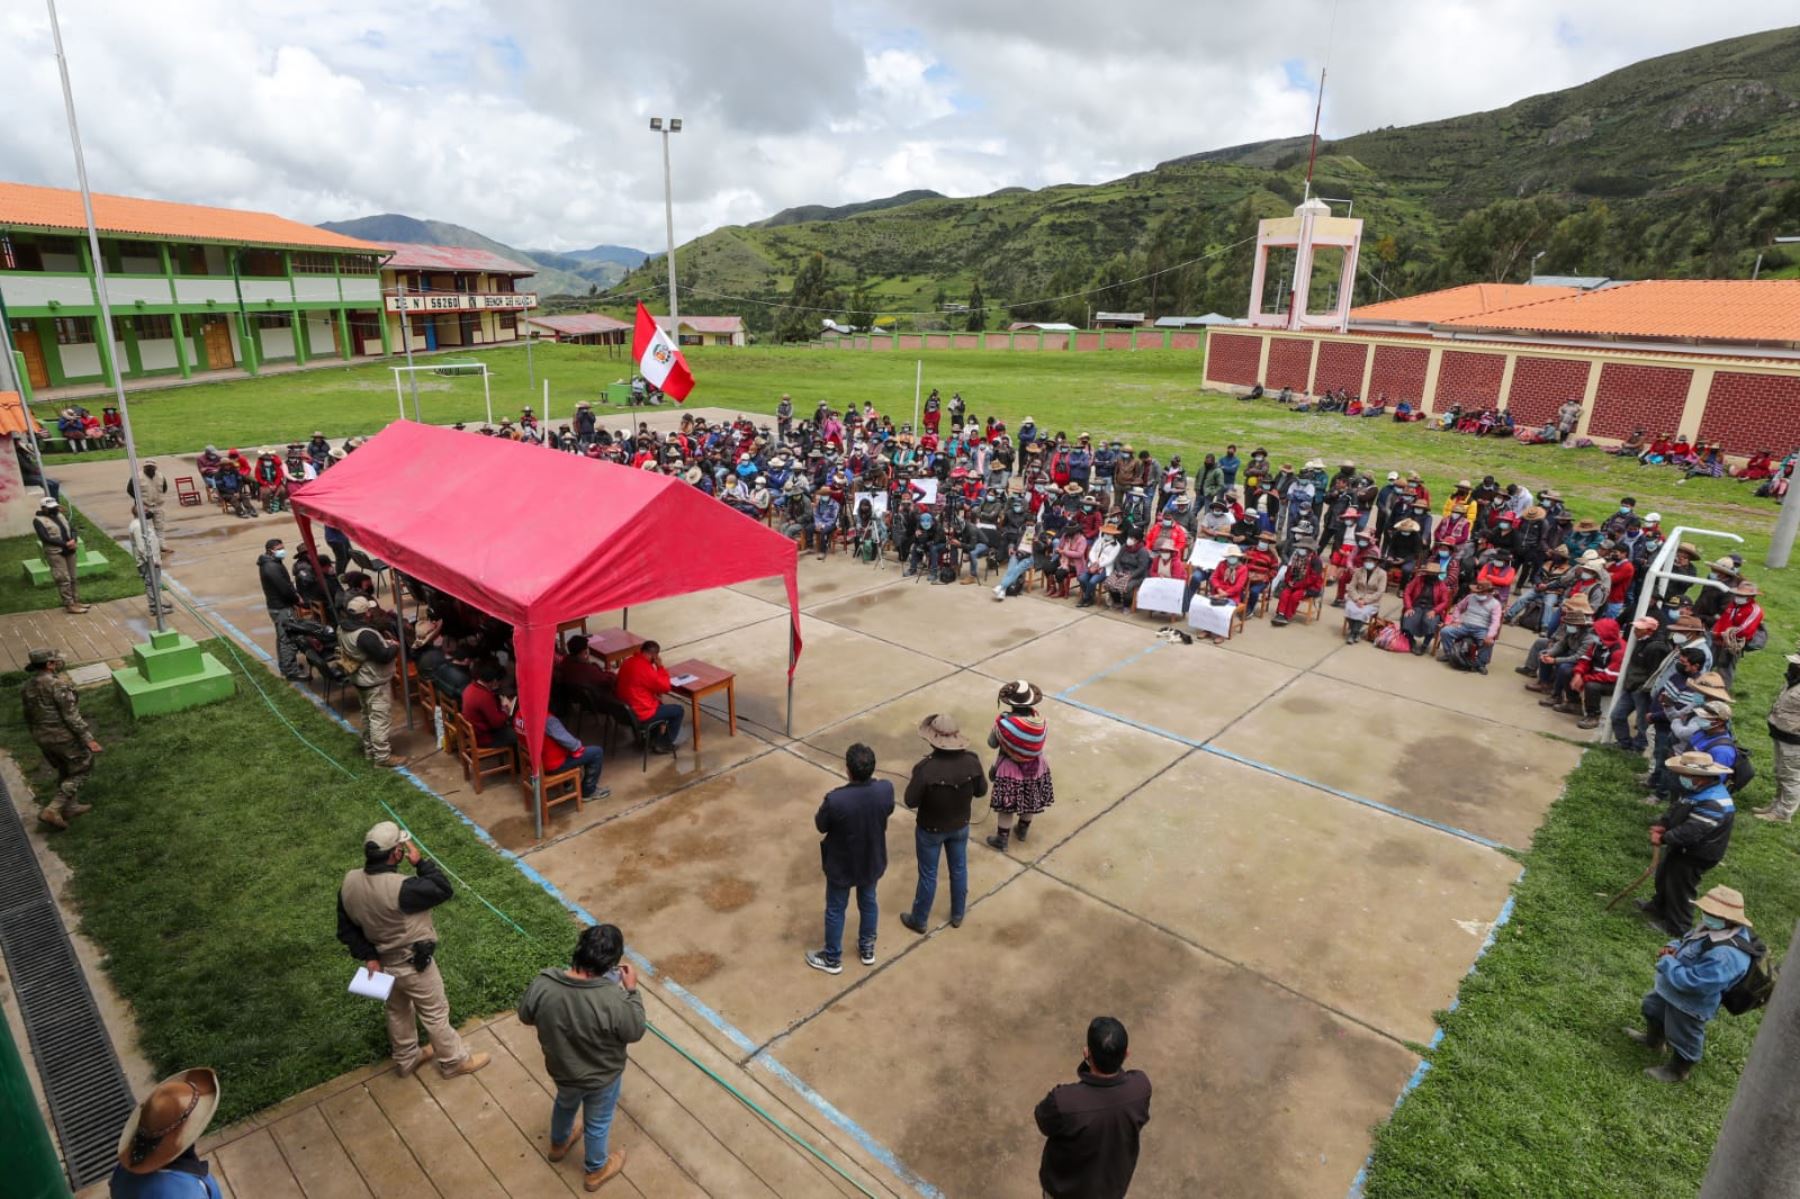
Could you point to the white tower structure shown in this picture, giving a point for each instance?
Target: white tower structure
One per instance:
(1311, 227)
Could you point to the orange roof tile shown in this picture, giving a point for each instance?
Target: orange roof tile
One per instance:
(12, 415)
(1469, 300)
(1723, 310)
(22, 204)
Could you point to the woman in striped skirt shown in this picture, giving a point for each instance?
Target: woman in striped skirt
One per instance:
(1021, 771)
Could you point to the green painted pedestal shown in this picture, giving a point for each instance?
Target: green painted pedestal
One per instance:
(170, 675)
(87, 562)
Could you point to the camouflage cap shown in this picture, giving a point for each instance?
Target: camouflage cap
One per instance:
(43, 657)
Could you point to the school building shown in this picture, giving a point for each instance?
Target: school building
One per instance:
(193, 289)
(453, 296)
(1712, 359)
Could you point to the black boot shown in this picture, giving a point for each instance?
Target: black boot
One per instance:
(1675, 1070)
(998, 839)
(1024, 827)
(1648, 1038)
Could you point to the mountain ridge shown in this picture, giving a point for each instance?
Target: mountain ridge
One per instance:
(569, 274)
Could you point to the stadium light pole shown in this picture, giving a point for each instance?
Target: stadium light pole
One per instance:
(672, 125)
(147, 531)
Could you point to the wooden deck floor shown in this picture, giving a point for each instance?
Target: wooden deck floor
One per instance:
(105, 634)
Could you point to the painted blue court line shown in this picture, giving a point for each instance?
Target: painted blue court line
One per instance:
(1066, 692)
(1437, 1038)
(1377, 805)
(825, 1108)
(725, 1028)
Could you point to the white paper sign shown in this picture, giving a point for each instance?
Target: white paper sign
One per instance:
(1207, 554)
(375, 986)
(1207, 617)
(924, 491)
(877, 502)
(1161, 595)
(682, 680)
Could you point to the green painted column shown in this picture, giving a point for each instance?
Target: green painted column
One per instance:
(168, 265)
(33, 1171)
(300, 347)
(249, 343)
(134, 360)
(342, 316)
(182, 360)
(1168, 338)
(381, 323)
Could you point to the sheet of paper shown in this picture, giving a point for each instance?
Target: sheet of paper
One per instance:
(1208, 617)
(683, 680)
(375, 986)
(1161, 595)
(1207, 554)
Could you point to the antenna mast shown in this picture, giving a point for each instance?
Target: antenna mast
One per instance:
(1313, 154)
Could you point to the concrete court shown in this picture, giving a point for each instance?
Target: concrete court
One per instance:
(1270, 858)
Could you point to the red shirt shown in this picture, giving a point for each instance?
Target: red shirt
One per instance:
(1621, 573)
(641, 685)
(481, 708)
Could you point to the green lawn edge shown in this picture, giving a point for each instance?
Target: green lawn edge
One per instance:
(208, 870)
(18, 595)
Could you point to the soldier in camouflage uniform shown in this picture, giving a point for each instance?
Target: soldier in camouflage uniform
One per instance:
(53, 716)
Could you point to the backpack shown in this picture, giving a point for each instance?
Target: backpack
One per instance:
(1465, 653)
(1758, 982)
(1531, 616)
(1742, 770)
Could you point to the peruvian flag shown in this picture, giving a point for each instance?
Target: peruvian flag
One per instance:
(658, 360)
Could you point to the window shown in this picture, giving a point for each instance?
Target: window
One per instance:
(503, 283)
(36, 252)
(357, 264)
(74, 331)
(418, 326)
(315, 264)
(132, 257)
(188, 260)
(274, 320)
(262, 264)
(147, 328)
(509, 322)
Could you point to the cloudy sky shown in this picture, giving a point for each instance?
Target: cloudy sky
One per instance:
(527, 119)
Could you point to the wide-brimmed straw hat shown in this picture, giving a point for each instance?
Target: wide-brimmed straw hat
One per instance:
(169, 1120)
(1696, 764)
(1727, 903)
(941, 732)
(1409, 525)
(1020, 693)
(1687, 623)
(1535, 512)
(1746, 588)
(1586, 526)
(1726, 566)
(1711, 685)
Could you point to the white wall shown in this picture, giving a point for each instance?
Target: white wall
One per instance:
(315, 287)
(258, 290)
(198, 291)
(80, 362)
(277, 343)
(133, 264)
(62, 262)
(126, 292)
(366, 288)
(216, 261)
(34, 291)
(157, 355)
(321, 335)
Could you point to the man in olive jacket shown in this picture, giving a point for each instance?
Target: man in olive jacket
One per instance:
(585, 1016)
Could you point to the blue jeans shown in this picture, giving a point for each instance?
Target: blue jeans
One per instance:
(1089, 579)
(590, 760)
(1611, 611)
(1454, 633)
(596, 1125)
(669, 717)
(1196, 580)
(1630, 702)
(1685, 1034)
(956, 852)
(973, 555)
(1014, 572)
(837, 902)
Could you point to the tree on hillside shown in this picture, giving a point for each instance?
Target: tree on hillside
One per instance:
(809, 300)
(977, 309)
(1494, 244)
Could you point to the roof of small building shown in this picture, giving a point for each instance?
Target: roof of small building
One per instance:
(1134, 318)
(579, 324)
(29, 206)
(1472, 299)
(13, 415)
(1712, 310)
(707, 324)
(1184, 322)
(413, 256)
(1042, 326)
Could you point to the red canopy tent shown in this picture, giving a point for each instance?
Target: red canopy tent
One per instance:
(537, 537)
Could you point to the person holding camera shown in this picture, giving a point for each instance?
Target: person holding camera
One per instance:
(585, 1017)
(384, 919)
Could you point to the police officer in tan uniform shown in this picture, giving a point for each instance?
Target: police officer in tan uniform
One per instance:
(57, 536)
(370, 655)
(53, 717)
(384, 919)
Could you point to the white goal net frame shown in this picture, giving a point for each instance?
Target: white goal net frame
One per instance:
(447, 370)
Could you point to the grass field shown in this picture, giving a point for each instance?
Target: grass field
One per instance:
(1532, 1091)
(18, 595)
(208, 873)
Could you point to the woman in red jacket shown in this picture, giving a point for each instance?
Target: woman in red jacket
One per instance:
(1424, 603)
(1304, 578)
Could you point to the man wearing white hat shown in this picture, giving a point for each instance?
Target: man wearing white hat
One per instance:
(156, 1148)
(384, 920)
(1694, 834)
(1784, 728)
(1693, 973)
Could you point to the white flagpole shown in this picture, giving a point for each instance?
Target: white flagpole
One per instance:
(918, 382)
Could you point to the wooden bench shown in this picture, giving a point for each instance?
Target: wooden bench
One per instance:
(479, 761)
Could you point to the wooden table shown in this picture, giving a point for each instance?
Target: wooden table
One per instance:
(613, 646)
(569, 626)
(707, 679)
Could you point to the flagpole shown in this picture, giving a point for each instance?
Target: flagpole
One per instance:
(918, 382)
(106, 329)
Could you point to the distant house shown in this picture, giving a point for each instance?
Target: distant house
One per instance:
(708, 330)
(454, 296)
(1196, 322)
(1118, 320)
(581, 328)
(1040, 327)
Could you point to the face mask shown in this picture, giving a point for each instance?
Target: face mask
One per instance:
(1738, 601)
(1623, 509)
(281, 553)
(1712, 922)
(1687, 784)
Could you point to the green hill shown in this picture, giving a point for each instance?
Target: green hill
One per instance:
(1683, 165)
(552, 278)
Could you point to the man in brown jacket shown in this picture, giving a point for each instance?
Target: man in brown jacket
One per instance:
(1092, 1124)
(941, 789)
(384, 919)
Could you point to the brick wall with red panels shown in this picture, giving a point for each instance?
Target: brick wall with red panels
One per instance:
(1025, 341)
(968, 341)
(911, 341)
(1340, 365)
(937, 341)
(1091, 341)
(1290, 362)
(1472, 380)
(1184, 341)
(1230, 357)
(1540, 385)
(881, 343)
(1639, 397)
(1749, 412)
(997, 341)
(1149, 339)
(1116, 341)
(1400, 372)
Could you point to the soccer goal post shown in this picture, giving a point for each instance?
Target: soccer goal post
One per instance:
(443, 370)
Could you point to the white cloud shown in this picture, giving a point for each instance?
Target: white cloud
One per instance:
(527, 121)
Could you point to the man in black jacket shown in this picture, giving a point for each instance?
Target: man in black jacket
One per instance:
(941, 788)
(1093, 1123)
(1652, 646)
(279, 594)
(854, 856)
